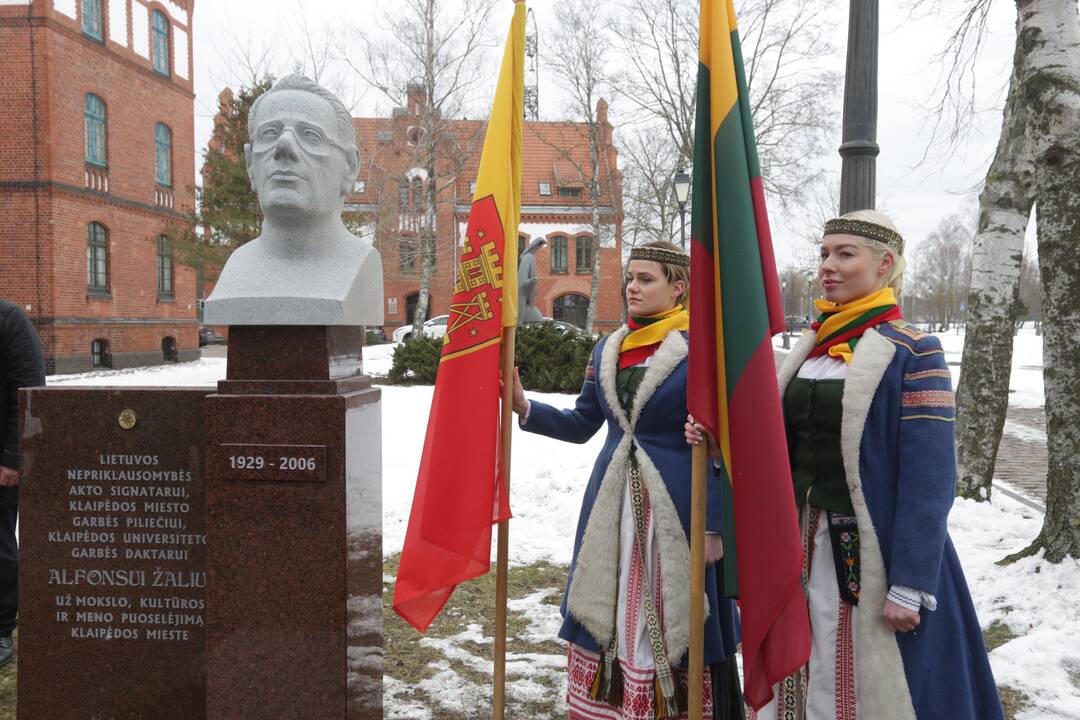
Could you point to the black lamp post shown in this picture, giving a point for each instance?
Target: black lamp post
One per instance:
(682, 192)
(859, 148)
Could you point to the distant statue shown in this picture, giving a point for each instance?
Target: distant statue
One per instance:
(527, 310)
(305, 268)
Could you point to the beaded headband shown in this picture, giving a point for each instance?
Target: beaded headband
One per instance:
(862, 228)
(660, 255)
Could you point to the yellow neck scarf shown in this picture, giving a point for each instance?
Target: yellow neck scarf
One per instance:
(677, 318)
(840, 326)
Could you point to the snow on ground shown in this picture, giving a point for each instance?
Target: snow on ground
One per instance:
(206, 371)
(1036, 599)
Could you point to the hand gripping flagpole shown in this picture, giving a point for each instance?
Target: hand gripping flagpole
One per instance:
(498, 705)
(697, 582)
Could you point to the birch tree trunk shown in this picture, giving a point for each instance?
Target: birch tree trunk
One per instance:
(594, 201)
(982, 397)
(1050, 34)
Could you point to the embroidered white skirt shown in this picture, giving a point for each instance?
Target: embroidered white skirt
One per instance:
(825, 689)
(635, 651)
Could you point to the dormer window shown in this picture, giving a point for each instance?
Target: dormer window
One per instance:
(568, 178)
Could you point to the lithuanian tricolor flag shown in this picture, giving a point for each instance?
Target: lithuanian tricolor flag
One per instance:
(459, 492)
(735, 309)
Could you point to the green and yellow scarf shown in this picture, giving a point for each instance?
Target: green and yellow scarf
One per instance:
(839, 327)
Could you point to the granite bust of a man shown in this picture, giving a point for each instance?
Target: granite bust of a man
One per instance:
(305, 268)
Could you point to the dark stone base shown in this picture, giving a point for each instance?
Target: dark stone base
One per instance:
(294, 518)
(106, 630)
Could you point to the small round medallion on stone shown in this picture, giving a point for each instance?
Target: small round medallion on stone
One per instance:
(128, 418)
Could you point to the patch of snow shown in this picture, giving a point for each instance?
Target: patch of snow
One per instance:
(1025, 433)
(378, 359)
(203, 372)
(544, 618)
(1036, 599)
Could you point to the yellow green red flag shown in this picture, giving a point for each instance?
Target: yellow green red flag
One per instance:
(459, 491)
(735, 301)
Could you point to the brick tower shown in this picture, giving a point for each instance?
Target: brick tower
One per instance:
(97, 158)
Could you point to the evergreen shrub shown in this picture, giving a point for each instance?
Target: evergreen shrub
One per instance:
(416, 361)
(549, 359)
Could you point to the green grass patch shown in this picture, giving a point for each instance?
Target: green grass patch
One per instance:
(473, 603)
(997, 635)
(1013, 701)
(8, 675)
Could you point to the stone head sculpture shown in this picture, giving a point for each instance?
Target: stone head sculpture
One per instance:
(305, 268)
(301, 157)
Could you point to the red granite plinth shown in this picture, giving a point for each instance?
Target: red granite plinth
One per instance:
(294, 521)
(113, 554)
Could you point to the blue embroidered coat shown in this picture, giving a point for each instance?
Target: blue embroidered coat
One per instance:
(655, 426)
(897, 439)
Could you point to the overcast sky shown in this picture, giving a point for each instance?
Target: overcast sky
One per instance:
(917, 196)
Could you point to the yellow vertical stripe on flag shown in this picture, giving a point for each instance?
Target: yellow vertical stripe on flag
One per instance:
(500, 163)
(715, 52)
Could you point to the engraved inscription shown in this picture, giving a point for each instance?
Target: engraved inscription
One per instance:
(290, 463)
(134, 549)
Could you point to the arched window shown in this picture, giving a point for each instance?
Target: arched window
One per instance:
(99, 353)
(91, 19)
(163, 154)
(583, 255)
(94, 123)
(168, 349)
(571, 308)
(159, 24)
(558, 254)
(164, 268)
(97, 257)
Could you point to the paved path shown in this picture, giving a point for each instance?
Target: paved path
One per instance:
(1022, 458)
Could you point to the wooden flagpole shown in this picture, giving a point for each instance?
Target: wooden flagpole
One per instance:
(697, 581)
(498, 705)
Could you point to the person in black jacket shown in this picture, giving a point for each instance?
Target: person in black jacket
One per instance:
(22, 364)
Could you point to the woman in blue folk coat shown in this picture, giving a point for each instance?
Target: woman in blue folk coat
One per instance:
(626, 608)
(869, 412)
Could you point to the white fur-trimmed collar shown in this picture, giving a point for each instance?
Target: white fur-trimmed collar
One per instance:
(593, 594)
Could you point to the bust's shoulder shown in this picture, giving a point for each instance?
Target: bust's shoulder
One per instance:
(910, 339)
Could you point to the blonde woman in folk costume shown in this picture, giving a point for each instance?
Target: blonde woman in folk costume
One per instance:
(869, 412)
(626, 609)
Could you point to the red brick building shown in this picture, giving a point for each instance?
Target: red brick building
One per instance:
(555, 206)
(97, 156)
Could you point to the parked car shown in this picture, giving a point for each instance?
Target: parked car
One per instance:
(207, 336)
(435, 327)
(796, 323)
(564, 327)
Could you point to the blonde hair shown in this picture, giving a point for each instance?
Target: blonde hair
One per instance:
(672, 272)
(880, 249)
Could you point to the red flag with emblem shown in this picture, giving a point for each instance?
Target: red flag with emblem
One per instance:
(459, 492)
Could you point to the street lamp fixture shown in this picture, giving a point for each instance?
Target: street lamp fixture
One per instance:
(682, 193)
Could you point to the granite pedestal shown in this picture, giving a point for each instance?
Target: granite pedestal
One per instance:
(294, 521)
(113, 554)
